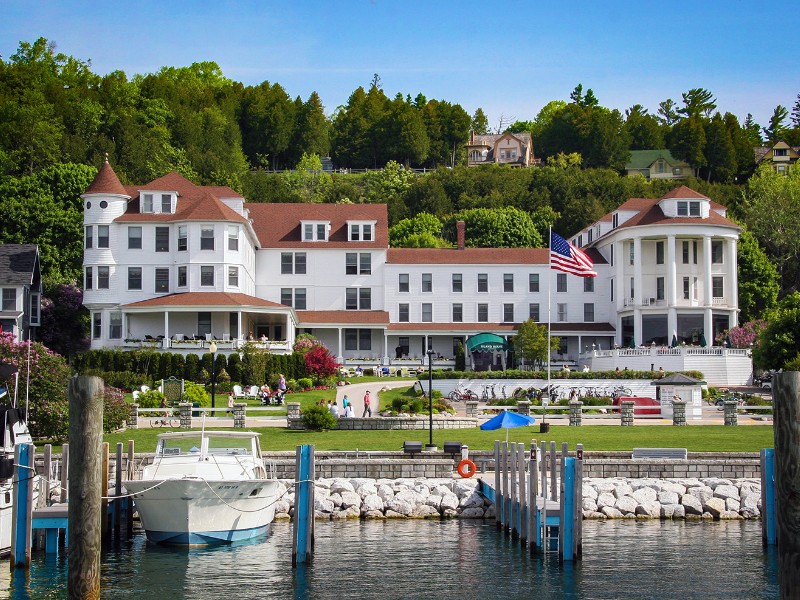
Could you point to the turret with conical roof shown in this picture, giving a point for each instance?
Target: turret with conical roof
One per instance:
(106, 182)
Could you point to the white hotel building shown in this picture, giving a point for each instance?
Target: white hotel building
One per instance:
(175, 265)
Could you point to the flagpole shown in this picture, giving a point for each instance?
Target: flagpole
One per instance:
(549, 290)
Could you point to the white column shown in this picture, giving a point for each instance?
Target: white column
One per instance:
(637, 326)
(340, 355)
(240, 334)
(708, 329)
(125, 332)
(637, 271)
(732, 287)
(708, 292)
(619, 278)
(672, 267)
(166, 324)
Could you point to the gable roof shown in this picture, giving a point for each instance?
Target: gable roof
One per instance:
(642, 159)
(18, 263)
(190, 299)
(277, 225)
(524, 137)
(195, 202)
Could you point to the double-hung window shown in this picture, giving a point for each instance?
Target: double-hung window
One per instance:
(88, 236)
(427, 282)
(207, 275)
(207, 237)
(162, 239)
(102, 236)
(457, 282)
(102, 278)
(134, 278)
(135, 238)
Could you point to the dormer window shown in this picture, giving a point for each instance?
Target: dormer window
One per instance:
(615, 220)
(147, 203)
(315, 231)
(688, 208)
(781, 152)
(157, 203)
(360, 232)
(166, 203)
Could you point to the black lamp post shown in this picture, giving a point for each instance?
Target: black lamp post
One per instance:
(213, 349)
(430, 445)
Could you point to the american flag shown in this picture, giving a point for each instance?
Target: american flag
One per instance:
(566, 257)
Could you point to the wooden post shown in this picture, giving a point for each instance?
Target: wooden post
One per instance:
(512, 486)
(129, 500)
(534, 524)
(768, 529)
(85, 438)
(48, 473)
(504, 482)
(522, 525)
(566, 527)
(64, 473)
(303, 538)
(498, 504)
(579, 501)
(104, 492)
(786, 407)
(118, 490)
(21, 532)
(553, 472)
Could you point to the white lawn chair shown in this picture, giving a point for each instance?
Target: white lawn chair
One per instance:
(135, 394)
(253, 392)
(145, 389)
(237, 392)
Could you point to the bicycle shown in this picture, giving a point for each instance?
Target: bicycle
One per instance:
(165, 420)
(488, 392)
(459, 394)
(620, 391)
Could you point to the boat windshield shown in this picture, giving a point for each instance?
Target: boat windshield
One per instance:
(190, 445)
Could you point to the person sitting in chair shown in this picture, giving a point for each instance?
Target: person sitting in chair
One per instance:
(359, 371)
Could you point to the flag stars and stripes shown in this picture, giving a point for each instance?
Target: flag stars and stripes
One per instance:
(568, 258)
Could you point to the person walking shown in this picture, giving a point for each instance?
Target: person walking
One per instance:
(345, 403)
(367, 406)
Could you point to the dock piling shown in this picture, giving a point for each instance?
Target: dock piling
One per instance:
(303, 538)
(21, 530)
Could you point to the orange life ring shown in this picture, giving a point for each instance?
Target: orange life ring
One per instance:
(466, 468)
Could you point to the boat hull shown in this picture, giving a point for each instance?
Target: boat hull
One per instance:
(195, 511)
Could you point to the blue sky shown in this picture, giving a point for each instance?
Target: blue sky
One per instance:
(508, 57)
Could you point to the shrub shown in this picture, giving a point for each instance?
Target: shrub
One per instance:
(115, 409)
(126, 380)
(318, 418)
(195, 393)
(320, 362)
(223, 377)
(151, 399)
(304, 383)
(192, 369)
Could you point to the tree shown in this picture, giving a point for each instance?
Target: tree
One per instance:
(720, 154)
(421, 231)
(480, 122)
(667, 114)
(643, 129)
(312, 129)
(771, 211)
(687, 141)
(47, 385)
(759, 282)
(779, 342)
(320, 362)
(796, 113)
(65, 323)
(697, 102)
(531, 342)
(774, 131)
(507, 227)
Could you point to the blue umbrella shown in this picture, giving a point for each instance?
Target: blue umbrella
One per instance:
(507, 420)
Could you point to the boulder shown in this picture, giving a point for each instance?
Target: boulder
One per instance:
(423, 510)
(449, 513)
(589, 505)
(374, 514)
(691, 504)
(323, 504)
(606, 499)
(390, 514)
(651, 508)
(366, 488)
(673, 486)
(341, 485)
(449, 502)
(434, 501)
(595, 516)
(702, 493)
(423, 490)
(732, 504)
(725, 491)
(350, 499)
(644, 495)
(668, 497)
(749, 505)
(442, 489)
(351, 512)
(473, 500)
(385, 492)
(337, 499)
(282, 506)
(622, 489)
(489, 513)
(668, 510)
(730, 515)
(409, 496)
(714, 506)
(402, 507)
(611, 512)
(626, 505)
(373, 502)
(589, 491)
(471, 513)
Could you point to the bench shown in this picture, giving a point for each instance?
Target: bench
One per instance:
(655, 453)
(452, 448)
(412, 448)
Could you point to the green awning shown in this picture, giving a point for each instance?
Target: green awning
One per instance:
(486, 342)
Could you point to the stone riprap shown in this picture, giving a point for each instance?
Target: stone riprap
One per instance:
(706, 498)
(390, 498)
(709, 498)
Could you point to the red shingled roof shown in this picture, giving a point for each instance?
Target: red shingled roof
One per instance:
(479, 256)
(468, 327)
(106, 182)
(207, 299)
(277, 225)
(683, 192)
(649, 213)
(367, 317)
(195, 202)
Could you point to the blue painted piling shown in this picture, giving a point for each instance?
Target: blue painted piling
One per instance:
(769, 527)
(566, 526)
(303, 538)
(21, 532)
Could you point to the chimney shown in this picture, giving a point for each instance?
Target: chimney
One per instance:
(461, 227)
(471, 136)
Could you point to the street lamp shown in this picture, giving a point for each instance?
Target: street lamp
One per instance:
(430, 445)
(213, 349)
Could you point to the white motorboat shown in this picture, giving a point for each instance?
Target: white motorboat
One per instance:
(13, 431)
(205, 487)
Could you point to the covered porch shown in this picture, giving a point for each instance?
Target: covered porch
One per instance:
(191, 321)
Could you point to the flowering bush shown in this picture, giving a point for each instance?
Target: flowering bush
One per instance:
(320, 362)
(743, 336)
(306, 342)
(48, 406)
(115, 409)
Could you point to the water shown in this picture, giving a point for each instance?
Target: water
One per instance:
(387, 560)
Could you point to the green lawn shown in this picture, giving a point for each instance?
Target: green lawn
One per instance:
(700, 438)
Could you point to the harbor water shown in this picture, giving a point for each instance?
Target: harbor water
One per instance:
(386, 560)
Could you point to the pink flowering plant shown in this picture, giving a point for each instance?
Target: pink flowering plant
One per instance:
(743, 336)
(306, 342)
(48, 405)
